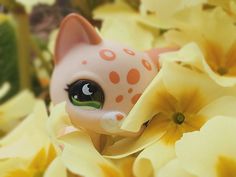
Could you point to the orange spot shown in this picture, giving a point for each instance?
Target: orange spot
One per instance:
(146, 64)
(135, 98)
(114, 77)
(128, 51)
(130, 90)
(84, 62)
(119, 98)
(107, 54)
(119, 117)
(133, 76)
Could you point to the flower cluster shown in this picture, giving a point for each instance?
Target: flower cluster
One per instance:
(188, 109)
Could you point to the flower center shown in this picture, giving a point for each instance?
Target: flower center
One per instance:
(178, 117)
(226, 167)
(222, 71)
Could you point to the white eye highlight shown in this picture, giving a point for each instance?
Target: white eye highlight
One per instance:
(85, 90)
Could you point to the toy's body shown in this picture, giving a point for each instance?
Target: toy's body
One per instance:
(99, 80)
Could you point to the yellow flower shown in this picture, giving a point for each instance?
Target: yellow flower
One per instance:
(211, 151)
(218, 46)
(27, 150)
(29, 4)
(125, 165)
(174, 169)
(37, 167)
(13, 111)
(178, 100)
(78, 153)
(117, 27)
(228, 5)
(57, 169)
(167, 8)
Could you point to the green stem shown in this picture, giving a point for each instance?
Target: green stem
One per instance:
(23, 38)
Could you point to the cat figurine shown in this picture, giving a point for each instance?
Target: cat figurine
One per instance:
(99, 80)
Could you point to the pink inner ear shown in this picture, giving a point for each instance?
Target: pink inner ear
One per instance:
(74, 30)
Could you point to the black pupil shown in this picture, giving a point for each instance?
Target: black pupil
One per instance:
(86, 90)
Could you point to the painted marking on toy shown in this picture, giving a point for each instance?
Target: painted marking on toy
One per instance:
(133, 76)
(114, 77)
(130, 90)
(84, 62)
(146, 64)
(135, 98)
(107, 54)
(128, 51)
(119, 117)
(119, 98)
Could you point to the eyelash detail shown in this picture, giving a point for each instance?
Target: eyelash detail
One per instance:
(67, 87)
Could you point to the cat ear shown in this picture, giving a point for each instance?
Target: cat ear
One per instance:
(74, 29)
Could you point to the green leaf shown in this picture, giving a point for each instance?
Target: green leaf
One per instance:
(8, 57)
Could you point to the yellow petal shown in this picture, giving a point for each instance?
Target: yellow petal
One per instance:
(221, 80)
(125, 31)
(201, 152)
(218, 19)
(12, 164)
(114, 10)
(117, 27)
(18, 173)
(224, 106)
(80, 156)
(58, 121)
(4, 88)
(183, 81)
(215, 44)
(145, 106)
(181, 87)
(50, 155)
(39, 160)
(224, 3)
(56, 169)
(28, 137)
(167, 8)
(173, 169)
(125, 165)
(165, 96)
(189, 54)
(29, 4)
(198, 24)
(158, 154)
(13, 110)
(127, 146)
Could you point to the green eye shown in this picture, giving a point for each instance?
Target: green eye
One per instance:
(94, 104)
(86, 94)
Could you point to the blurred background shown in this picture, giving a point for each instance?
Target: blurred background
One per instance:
(27, 33)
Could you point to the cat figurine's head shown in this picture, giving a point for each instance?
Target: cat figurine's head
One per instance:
(99, 80)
